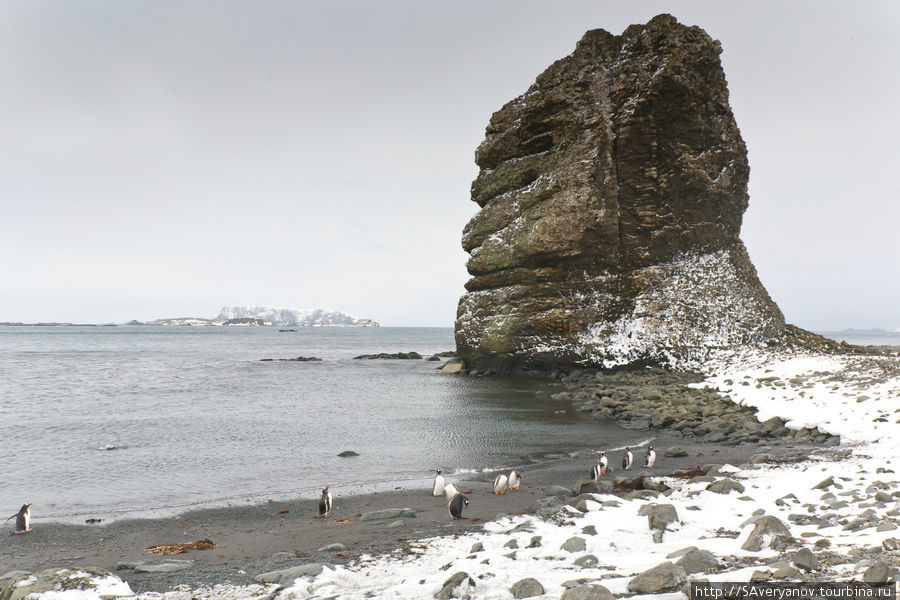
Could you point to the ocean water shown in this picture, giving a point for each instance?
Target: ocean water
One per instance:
(865, 337)
(197, 419)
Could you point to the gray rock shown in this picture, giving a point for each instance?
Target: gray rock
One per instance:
(558, 490)
(785, 573)
(584, 485)
(587, 592)
(336, 547)
(286, 577)
(574, 544)
(171, 565)
(395, 524)
(682, 552)
(725, 486)
(760, 576)
(513, 543)
(348, 453)
(665, 577)
(459, 585)
(824, 484)
(589, 530)
(887, 526)
(674, 452)
(587, 560)
(535, 542)
(388, 513)
(877, 573)
(526, 588)
(805, 559)
(14, 575)
(765, 531)
(476, 547)
(660, 515)
(698, 561)
(62, 580)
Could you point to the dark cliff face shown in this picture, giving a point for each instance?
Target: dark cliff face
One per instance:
(611, 196)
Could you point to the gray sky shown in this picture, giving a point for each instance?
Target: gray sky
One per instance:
(164, 158)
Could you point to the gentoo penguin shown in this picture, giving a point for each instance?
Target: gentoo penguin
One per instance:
(23, 519)
(450, 491)
(437, 488)
(650, 459)
(604, 463)
(514, 480)
(500, 484)
(325, 502)
(627, 459)
(595, 471)
(456, 505)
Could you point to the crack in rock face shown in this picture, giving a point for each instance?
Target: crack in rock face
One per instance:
(612, 193)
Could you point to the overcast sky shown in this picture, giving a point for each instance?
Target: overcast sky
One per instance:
(165, 158)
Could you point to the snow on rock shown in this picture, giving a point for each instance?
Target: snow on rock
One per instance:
(289, 316)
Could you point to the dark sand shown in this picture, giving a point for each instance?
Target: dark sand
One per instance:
(247, 537)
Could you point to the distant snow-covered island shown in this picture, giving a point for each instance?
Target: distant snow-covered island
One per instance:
(249, 316)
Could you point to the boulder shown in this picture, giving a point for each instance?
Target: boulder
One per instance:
(725, 486)
(877, 573)
(170, 565)
(286, 577)
(611, 196)
(459, 585)
(698, 561)
(388, 513)
(805, 559)
(766, 530)
(574, 544)
(83, 583)
(587, 560)
(453, 366)
(527, 588)
(587, 592)
(665, 577)
(660, 515)
(674, 452)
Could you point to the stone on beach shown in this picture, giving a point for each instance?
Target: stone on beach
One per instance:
(574, 544)
(285, 577)
(725, 486)
(147, 566)
(587, 592)
(84, 583)
(664, 577)
(459, 585)
(388, 513)
(766, 531)
(527, 588)
(659, 516)
(698, 561)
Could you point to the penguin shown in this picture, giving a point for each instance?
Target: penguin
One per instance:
(325, 502)
(514, 480)
(450, 491)
(437, 488)
(596, 471)
(627, 459)
(650, 459)
(500, 484)
(456, 505)
(604, 463)
(23, 519)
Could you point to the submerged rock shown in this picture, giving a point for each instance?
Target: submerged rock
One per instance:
(612, 193)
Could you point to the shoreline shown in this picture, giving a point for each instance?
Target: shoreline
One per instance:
(258, 538)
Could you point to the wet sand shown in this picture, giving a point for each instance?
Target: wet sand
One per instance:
(275, 535)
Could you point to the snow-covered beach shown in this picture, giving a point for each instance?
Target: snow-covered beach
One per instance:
(839, 505)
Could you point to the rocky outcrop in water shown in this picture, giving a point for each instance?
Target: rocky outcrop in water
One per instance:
(611, 195)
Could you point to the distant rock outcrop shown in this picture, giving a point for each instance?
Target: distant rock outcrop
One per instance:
(611, 195)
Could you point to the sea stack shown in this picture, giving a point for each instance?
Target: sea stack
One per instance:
(612, 193)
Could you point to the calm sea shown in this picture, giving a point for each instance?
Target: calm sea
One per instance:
(197, 419)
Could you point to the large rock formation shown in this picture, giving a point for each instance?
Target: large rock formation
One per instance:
(611, 196)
